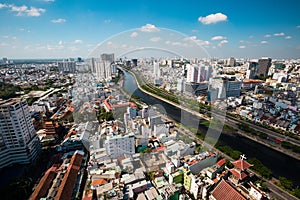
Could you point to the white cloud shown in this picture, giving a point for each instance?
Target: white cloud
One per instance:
(213, 18)
(264, 42)
(197, 41)
(24, 10)
(278, 34)
(155, 39)
(219, 37)
(50, 1)
(73, 49)
(24, 30)
(60, 42)
(267, 35)
(181, 44)
(107, 21)
(35, 12)
(58, 21)
(78, 42)
(176, 43)
(19, 9)
(288, 37)
(298, 26)
(242, 47)
(149, 28)
(109, 43)
(53, 47)
(222, 42)
(2, 5)
(134, 34)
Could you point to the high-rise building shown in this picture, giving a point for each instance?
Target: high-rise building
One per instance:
(227, 87)
(231, 62)
(103, 70)
(134, 62)
(108, 57)
(118, 145)
(180, 84)
(104, 67)
(209, 72)
(67, 66)
(19, 142)
(263, 66)
(93, 65)
(197, 74)
(192, 73)
(252, 70)
(156, 70)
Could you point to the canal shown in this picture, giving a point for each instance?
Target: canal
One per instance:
(280, 164)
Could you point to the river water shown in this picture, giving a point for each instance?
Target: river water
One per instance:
(279, 163)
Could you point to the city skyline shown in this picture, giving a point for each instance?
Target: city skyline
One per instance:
(58, 29)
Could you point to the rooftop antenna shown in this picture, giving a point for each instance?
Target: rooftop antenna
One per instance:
(243, 157)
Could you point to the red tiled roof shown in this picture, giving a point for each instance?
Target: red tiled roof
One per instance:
(237, 174)
(241, 164)
(99, 182)
(45, 183)
(224, 191)
(221, 162)
(132, 105)
(160, 148)
(252, 81)
(107, 105)
(66, 187)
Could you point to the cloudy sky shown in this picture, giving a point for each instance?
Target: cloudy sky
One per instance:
(222, 28)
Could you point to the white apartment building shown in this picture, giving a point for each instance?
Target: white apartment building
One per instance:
(227, 87)
(19, 142)
(103, 70)
(198, 74)
(118, 145)
(67, 66)
(192, 73)
(156, 70)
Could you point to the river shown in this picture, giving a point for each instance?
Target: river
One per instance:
(279, 163)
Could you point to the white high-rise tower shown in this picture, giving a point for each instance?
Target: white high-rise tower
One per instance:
(19, 143)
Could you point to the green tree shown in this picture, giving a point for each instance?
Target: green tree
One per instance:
(297, 192)
(285, 183)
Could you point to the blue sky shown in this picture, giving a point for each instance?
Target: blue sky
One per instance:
(63, 28)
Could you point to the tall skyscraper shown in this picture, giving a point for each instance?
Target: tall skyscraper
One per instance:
(104, 66)
(93, 65)
(67, 66)
(156, 70)
(19, 143)
(198, 74)
(231, 62)
(108, 57)
(263, 66)
(227, 87)
(252, 70)
(192, 73)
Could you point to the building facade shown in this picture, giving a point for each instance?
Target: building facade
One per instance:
(263, 66)
(118, 145)
(19, 142)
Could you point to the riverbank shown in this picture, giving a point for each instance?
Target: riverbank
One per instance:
(255, 139)
(132, 82)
